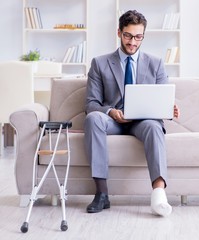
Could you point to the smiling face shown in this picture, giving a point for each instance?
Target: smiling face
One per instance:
(131, 38)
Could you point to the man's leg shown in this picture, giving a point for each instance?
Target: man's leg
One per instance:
(97, 126)
(150, 132)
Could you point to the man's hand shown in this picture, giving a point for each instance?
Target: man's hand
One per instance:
(176, 111)
(117, 115)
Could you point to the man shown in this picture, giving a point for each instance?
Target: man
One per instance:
(104, 108)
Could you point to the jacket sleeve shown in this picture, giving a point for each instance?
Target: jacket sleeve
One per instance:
(95, 89)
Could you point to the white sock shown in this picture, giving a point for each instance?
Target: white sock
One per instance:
(159, 203)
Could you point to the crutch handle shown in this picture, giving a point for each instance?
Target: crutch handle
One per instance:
(55, 125)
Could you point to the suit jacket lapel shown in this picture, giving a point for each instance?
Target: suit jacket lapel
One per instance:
(142, 68)
(114, 63)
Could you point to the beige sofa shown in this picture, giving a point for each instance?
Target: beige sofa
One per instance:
(128, 173)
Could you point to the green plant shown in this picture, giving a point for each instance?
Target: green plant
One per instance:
(31, 56)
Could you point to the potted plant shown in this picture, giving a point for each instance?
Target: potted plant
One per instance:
(33, 57)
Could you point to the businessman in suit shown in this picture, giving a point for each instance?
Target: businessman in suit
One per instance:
(104, 108)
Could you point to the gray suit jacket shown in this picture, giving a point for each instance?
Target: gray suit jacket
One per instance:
(105, 88)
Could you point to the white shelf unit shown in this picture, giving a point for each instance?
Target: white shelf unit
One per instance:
(53, 43)
(157, 39)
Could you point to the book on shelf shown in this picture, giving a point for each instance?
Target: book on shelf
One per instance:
(36, 20)
(76, 54)
(79, 53)
(28, 19)
(33, 24)
(33, 18)
(66, 55)
(172, 55)
(168, 53)
(70, 26)
(171, 21)
(38, 17)
(84, 52)
(70, 56)
(74, 57)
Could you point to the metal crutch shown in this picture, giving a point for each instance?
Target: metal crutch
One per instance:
(62, 186)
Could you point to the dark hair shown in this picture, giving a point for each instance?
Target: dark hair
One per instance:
(132, 17)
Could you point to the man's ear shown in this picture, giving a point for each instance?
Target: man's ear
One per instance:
(119, 33)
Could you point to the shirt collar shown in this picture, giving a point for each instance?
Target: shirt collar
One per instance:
(123, 56)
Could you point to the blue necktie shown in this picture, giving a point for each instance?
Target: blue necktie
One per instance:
(128, 72)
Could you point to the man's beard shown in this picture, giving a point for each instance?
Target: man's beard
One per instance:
(125, 50)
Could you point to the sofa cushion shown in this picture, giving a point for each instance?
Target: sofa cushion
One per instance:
(120, 150)
(125, 150)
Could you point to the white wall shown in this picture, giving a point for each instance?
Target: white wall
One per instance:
(11, 29)
(101, 35)
(190, 38)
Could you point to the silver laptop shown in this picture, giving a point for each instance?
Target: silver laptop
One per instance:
(149, 101)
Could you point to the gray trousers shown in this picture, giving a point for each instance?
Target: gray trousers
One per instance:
(151, 132)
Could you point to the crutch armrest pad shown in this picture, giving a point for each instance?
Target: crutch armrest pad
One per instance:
(55, 125)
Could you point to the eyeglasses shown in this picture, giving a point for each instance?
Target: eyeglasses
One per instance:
(129, 36)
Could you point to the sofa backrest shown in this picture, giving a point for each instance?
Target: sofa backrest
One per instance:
(68, 103)
(187, 99)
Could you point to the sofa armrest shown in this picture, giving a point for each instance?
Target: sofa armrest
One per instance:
(26, 123)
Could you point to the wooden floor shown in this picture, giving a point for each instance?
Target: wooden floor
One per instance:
(129, 217)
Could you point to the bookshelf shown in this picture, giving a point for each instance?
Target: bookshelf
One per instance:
(55, 26)
(162, 36)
